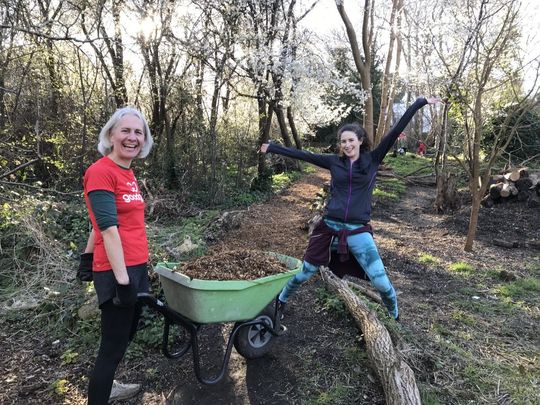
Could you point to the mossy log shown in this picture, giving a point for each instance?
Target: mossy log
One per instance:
(397, 378)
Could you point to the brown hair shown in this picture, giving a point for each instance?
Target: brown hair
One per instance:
(360, 133)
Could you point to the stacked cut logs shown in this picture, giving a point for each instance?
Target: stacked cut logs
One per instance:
(516, 184)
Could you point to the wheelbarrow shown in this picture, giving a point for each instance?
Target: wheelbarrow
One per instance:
(192, 303)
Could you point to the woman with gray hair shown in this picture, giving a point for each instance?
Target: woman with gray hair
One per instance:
(117, 246)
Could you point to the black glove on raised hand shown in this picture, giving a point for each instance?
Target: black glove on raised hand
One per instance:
(84, 272)
(126, 295)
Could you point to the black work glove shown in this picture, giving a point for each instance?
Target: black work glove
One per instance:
(84, 272)
(126, 295)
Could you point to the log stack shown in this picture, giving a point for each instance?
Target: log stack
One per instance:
(517, 184)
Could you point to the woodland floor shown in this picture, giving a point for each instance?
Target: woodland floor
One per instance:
(449, 320)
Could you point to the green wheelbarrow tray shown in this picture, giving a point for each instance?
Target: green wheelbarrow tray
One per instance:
(217, 301)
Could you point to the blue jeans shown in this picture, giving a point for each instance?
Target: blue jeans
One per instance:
(363, 247)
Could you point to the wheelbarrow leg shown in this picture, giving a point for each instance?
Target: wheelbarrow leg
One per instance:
(170, 317)
(226, 357)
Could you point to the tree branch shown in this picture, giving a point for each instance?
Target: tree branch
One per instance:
(20, 167)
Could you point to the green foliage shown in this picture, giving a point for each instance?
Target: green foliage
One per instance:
(149, 336)
(81, 335)
(69, 356)
(281, 181)
(247, 198)
(39, 237)
(262, 183)
(60, 387)
(343, 95)
(526, 140)
(331, 302)
(463, 317)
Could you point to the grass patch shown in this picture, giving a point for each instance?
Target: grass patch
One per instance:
(428, 395)
(404, 165)
(463, 317)
(523, 288)
(426, 258)
(335, 395)
(523, 293)
(389, 189)
(486, 308)
(462, 268)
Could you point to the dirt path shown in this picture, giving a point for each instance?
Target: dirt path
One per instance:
(321, 357)
(315, 340)
(315, 355)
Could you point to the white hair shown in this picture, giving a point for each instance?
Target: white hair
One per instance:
(105, 146)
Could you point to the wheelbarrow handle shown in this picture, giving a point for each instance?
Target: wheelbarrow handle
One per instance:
(150, 300)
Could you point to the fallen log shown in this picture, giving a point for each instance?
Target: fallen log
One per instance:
(505, 243)
(495, 190)
(512, 175)
(523, 172)
(523, 184)
(397, 378)
(488, 202)
(523, 196)
(505, 190)
(368, 293)
(426, 180)
(533, 201)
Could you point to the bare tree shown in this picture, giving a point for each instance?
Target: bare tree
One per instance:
(482, 72)
(111, 50)
(363, 57)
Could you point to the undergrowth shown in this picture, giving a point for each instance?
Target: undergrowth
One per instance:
(41, 238)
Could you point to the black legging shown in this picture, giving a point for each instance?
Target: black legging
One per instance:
(118, 327)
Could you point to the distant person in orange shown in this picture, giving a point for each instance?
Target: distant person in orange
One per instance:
(421, 148)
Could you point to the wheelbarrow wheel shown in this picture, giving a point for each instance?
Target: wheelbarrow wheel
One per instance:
(255, 340)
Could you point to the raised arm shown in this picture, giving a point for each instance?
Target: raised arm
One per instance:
(388, 140)
(323, 161)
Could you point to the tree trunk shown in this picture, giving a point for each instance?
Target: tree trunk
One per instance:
(446, 198)
(120, 90)
(473, 222)
(280, 115)
(440, 165)
(294, 131)
(265, 121)
(362, 60)
(397, 378)
(387, 87)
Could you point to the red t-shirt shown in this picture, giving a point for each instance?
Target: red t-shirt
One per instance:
(107, 175)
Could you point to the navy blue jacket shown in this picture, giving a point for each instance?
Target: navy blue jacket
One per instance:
(352, 184)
